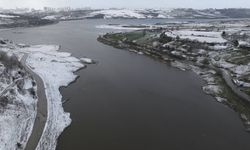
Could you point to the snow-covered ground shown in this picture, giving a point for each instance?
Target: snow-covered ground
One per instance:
(56, 70)
(201, 36)
(166, 13)
(52, 17)
(17, 115)
(212, 89)
(180, 65)
(7, 16)
(118, 13)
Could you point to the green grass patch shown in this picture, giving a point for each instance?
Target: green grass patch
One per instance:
(134, 35)
(116, 36)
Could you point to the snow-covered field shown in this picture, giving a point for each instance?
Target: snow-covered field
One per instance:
(201, 36)
(118, 13)
(154, 13)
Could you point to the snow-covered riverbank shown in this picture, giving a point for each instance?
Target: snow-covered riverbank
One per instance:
(205, 48)
(17, 103)
(56, 70)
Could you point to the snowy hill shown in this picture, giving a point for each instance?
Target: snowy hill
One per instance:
(156, 13)
(114, 13)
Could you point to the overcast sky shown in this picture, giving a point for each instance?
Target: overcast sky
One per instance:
(127, 3)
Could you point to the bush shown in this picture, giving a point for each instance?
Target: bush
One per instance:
(3, 56)
(223, 34)
(178, 38)
(4, 101)
(236, 43)
(32, 92)
(164, 38)
(33, 83)
(19, 145)
(206, 61)
(20, 84)
(9, 62)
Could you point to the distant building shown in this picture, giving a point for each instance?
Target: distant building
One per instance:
(48, 9)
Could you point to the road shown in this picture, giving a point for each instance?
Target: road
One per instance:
(235, 89)
(42, 111)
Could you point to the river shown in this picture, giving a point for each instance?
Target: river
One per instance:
(132, 102)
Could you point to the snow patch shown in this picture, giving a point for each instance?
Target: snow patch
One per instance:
(87, 60)
(212, 89)
(7, 16)
(201, 36)
(180, 65)
(118, 13)
(50, 17)
(220, 99)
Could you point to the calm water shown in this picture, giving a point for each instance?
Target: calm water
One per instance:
(131, 102)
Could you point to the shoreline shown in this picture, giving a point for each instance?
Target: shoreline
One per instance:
(149, 53)
(55, 69)
(169, 59)
(67, 121)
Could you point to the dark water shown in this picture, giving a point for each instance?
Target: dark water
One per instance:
(131, 102)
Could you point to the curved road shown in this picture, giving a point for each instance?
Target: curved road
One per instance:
(234, 88)
(42, 111)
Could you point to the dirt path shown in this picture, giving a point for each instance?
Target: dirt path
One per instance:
(42, 111)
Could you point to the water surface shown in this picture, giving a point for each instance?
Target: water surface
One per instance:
(131, 102)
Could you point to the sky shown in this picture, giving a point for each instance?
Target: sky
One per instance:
(198, 4)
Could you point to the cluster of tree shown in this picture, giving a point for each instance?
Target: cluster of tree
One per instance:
(9, 61)
(3, 102)
(164, 38)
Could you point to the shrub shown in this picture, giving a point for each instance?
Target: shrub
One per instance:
(223, 33)
(20, 84)
(9, 62)
(32, 92)
(206, 61)
(235, 43)
(164, 38)
(3, 101)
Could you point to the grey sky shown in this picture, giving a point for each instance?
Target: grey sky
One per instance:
(127, 3)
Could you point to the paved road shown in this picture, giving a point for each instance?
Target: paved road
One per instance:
(235, 88)
(42, 111)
